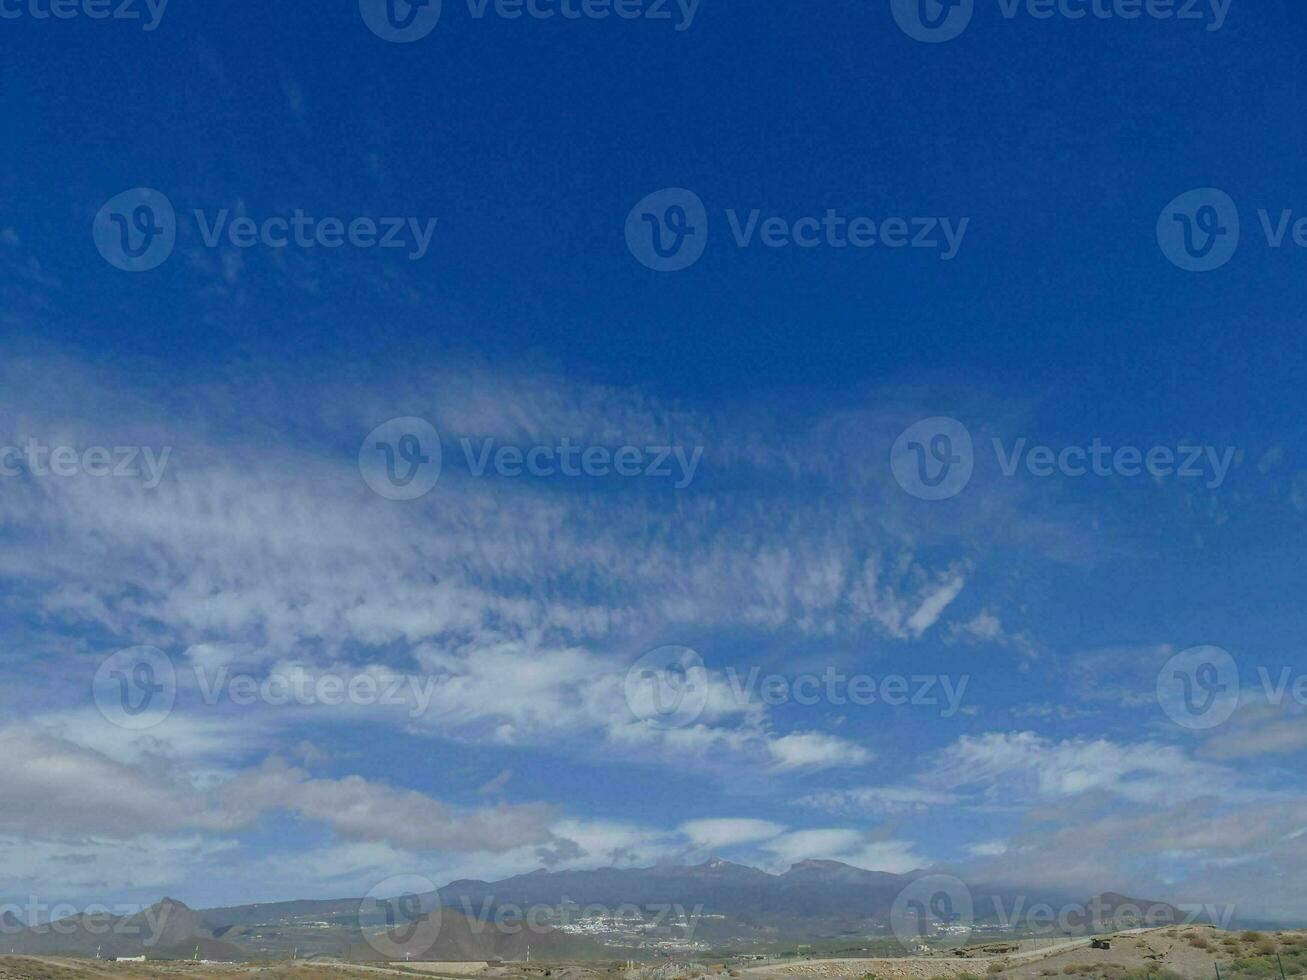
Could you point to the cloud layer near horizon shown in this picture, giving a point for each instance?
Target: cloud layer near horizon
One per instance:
(518, 606)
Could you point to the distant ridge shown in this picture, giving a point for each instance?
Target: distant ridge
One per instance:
(722, 899)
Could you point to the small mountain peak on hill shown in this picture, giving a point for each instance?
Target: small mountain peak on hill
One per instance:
(812, 864)
(1115, 902)
(719, 864)
(835, 872)
(719, 867)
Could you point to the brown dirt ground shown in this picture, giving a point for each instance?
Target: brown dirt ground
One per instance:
(1190, 951)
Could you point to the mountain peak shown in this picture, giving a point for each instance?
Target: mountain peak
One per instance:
(832, 872)
(716, 865)
(813, 864)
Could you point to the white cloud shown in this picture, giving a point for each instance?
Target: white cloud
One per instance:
(1025, 767)
(726, 832)
(813, 750)
(56, 790)
(934, 604)
(848, 846)
(877, 800)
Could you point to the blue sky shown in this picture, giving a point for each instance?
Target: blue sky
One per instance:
(787, 373)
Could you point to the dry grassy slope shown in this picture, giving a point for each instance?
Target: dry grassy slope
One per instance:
(63, 968)
(1190, 952)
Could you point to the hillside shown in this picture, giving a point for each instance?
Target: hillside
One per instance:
(656, 911)
(460, 938)
(166, 928)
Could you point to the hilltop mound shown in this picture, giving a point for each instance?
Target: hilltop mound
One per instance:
(458, 937)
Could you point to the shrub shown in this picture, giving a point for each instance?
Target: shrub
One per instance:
(1250, 936)
(1200, 942)
(995, 968)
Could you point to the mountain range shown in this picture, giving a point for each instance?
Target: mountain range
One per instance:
(571, 914)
